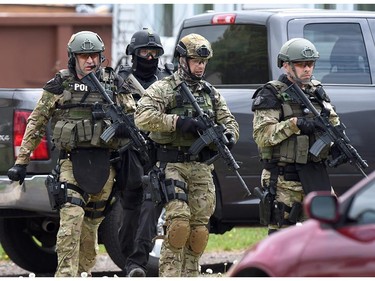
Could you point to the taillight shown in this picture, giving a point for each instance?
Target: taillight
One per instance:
(224, 19)
(19, 127)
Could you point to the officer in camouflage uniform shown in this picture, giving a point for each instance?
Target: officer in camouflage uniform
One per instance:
(284, 131)
(85, 174)
(140, 214)
(172, 124)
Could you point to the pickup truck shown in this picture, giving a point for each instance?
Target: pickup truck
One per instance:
(245, 44)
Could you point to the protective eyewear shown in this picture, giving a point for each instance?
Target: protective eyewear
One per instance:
(85, 56)
(198, 61)
(303, 64)
(146, 53)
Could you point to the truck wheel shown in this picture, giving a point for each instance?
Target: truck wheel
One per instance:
(30, 242)
(108, 232)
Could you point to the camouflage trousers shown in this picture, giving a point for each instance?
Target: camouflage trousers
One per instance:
(184, 261)
(287, 192)
(77, 238)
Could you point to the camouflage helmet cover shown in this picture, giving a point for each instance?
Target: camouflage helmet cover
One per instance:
(145, 38)
(297, 49)
(194, 46)
(85, 42)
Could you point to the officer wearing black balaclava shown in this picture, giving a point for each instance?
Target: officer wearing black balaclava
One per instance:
(145, 48)
(140, 216)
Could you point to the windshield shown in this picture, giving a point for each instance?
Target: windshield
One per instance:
(240, 53)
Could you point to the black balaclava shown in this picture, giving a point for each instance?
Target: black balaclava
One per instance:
(144, 68)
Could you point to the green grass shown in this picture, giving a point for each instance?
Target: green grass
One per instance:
(3, 255)
(236, 239)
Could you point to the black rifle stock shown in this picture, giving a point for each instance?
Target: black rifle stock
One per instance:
(213, 133)
(332, 134)
(118, 117)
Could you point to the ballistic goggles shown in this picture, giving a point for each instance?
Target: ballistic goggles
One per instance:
(146, 53)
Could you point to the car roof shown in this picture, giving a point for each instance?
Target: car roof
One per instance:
(261, 16)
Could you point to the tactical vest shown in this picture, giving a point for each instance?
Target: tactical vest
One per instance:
(79, 119)
(294, 149)
(182, 107)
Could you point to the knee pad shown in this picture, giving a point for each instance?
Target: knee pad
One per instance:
(198, 239)
(178, 233)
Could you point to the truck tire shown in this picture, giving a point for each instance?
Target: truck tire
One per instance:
(30, 242)
(108, 232)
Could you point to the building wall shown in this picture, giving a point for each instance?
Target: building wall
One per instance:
(34, 45)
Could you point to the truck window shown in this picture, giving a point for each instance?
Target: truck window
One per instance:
(343, 57)
(240, 53)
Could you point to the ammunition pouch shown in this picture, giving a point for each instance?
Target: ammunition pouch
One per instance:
(163, 190)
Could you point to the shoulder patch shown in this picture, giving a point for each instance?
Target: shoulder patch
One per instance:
(55, 85)
(265, 98)
(321, 94)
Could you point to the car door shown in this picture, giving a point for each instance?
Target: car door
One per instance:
(349, 249)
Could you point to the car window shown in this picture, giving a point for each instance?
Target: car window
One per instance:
(362, 209)
(240, 53)
(343, 57)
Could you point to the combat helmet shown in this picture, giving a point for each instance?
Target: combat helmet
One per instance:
(145, 39)
(194, 46)
(297, 49)
(85, 42)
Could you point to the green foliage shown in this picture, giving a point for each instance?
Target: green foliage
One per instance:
(3, 255)
(236, 239)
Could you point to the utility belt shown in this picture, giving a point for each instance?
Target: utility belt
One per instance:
(180, 154)
(65, 154)
(289, 171)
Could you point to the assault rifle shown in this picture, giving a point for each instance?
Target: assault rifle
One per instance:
(331, 134)
(213, 133)
(118, 117)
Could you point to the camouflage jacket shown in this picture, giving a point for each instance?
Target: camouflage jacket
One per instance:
(152, 113)
(46, 109)
(271, 125)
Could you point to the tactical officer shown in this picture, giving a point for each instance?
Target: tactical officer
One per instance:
(284, 131)
(171, 119)
(140, 214)
(84, 174)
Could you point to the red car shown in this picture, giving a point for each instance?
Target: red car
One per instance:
(338, 239)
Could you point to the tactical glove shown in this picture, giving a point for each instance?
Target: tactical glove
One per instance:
(231, 141)
(189, 125)
(122, 131)
(17, 173)
(307, 126)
